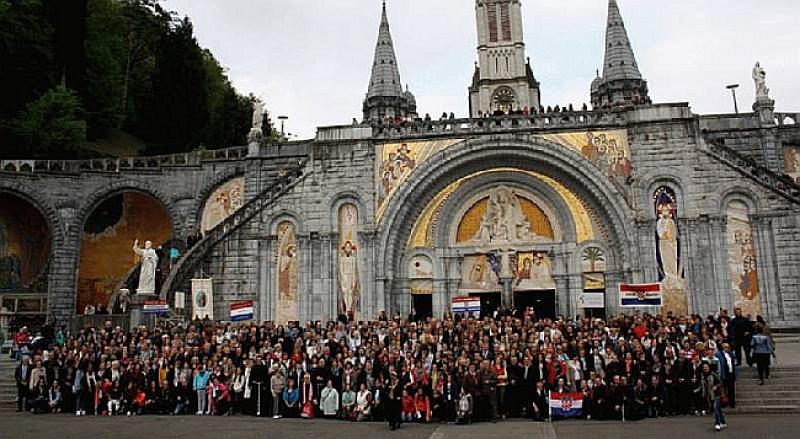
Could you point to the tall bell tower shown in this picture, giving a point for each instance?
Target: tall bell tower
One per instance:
(503, 78)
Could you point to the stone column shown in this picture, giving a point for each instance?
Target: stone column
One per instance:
(507, 293)
(613, 280)
(63, 271)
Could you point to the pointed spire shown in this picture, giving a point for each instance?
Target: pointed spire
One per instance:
(385, 79)
(621, 85)
(619, 62)
(385, 96)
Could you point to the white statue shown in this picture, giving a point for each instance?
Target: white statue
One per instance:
(147, 275)
(504, 220)
(258, 114)
(760, 78)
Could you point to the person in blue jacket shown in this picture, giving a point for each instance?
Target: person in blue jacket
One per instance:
(200, 386)
(726, 360)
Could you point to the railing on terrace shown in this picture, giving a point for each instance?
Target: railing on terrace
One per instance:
(782, 185)
(119, 164)
(541, 121)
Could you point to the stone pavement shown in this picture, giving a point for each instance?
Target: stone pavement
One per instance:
(13, 425)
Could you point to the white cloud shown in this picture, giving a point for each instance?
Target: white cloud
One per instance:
(311, 59)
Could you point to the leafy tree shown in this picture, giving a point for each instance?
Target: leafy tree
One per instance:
(52, 126)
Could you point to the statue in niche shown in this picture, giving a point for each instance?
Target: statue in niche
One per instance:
(504, 220)
(147, 274)
(760, 78)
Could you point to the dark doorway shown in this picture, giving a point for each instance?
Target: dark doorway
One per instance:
(542, 302)
(490, 302)
(423, 305)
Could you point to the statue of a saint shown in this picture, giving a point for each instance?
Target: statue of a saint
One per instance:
(258, 114)
(348, 277)
(147, 274)
(760, 78)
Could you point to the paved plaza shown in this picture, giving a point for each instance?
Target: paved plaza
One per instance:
(13, 425)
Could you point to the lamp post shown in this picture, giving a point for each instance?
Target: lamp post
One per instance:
(733, 88)
(283, 120)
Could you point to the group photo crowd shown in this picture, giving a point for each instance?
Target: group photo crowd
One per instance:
(456, 369)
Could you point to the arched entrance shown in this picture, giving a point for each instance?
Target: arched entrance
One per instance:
(504, 219)
(25, 248)
(106, 244)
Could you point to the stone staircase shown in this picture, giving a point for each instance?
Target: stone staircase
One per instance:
(779, 394)
(8, 388)
(185, 267)
(781, 185)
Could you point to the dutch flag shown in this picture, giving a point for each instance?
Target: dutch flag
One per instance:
(241, 311)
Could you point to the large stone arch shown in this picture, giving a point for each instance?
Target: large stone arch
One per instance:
(538, 155)
(85, 210)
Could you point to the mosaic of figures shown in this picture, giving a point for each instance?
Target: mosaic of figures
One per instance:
(222, 203)
(287, 287)
(24, 244)
(349, 282)
(533, 272)
(395, 162)
(742, 259)
(668, 254)
(791, 160)
(420, 271)
(480, 274)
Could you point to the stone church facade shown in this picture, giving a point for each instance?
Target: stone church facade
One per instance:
(518, 205)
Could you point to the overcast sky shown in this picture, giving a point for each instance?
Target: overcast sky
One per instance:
(311, 59)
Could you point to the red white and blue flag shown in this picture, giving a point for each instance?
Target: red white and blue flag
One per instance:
(241, 311)
(155, 307)
(566, 405)
(640, 295)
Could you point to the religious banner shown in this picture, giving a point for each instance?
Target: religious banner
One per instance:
(533, 272)
(631, 295)
(286, 268)
(742, 260)
(349, 283)
(668, 254)
(202, 298)
(180, 300)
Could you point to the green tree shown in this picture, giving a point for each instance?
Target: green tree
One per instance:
(52, 126)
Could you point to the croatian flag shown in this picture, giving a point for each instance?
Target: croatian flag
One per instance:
(566, 405)
(241, 311)
(640, 295)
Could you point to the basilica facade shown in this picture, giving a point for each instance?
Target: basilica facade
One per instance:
(521, 204)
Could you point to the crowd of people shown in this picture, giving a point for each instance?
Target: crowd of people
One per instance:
(454, 369)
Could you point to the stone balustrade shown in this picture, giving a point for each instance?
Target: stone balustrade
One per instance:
(120, 164)
(787, 119)
(540, 121)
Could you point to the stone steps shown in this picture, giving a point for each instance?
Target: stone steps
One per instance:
(779, 394)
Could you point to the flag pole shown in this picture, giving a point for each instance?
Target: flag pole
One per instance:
(549, 407)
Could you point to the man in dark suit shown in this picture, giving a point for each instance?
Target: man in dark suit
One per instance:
(540, 409)
(259, 379)
(22, 375)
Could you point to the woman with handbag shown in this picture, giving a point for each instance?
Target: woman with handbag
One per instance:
(307, 401)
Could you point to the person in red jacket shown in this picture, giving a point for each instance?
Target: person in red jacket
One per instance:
(408, 407)
(423, 407)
